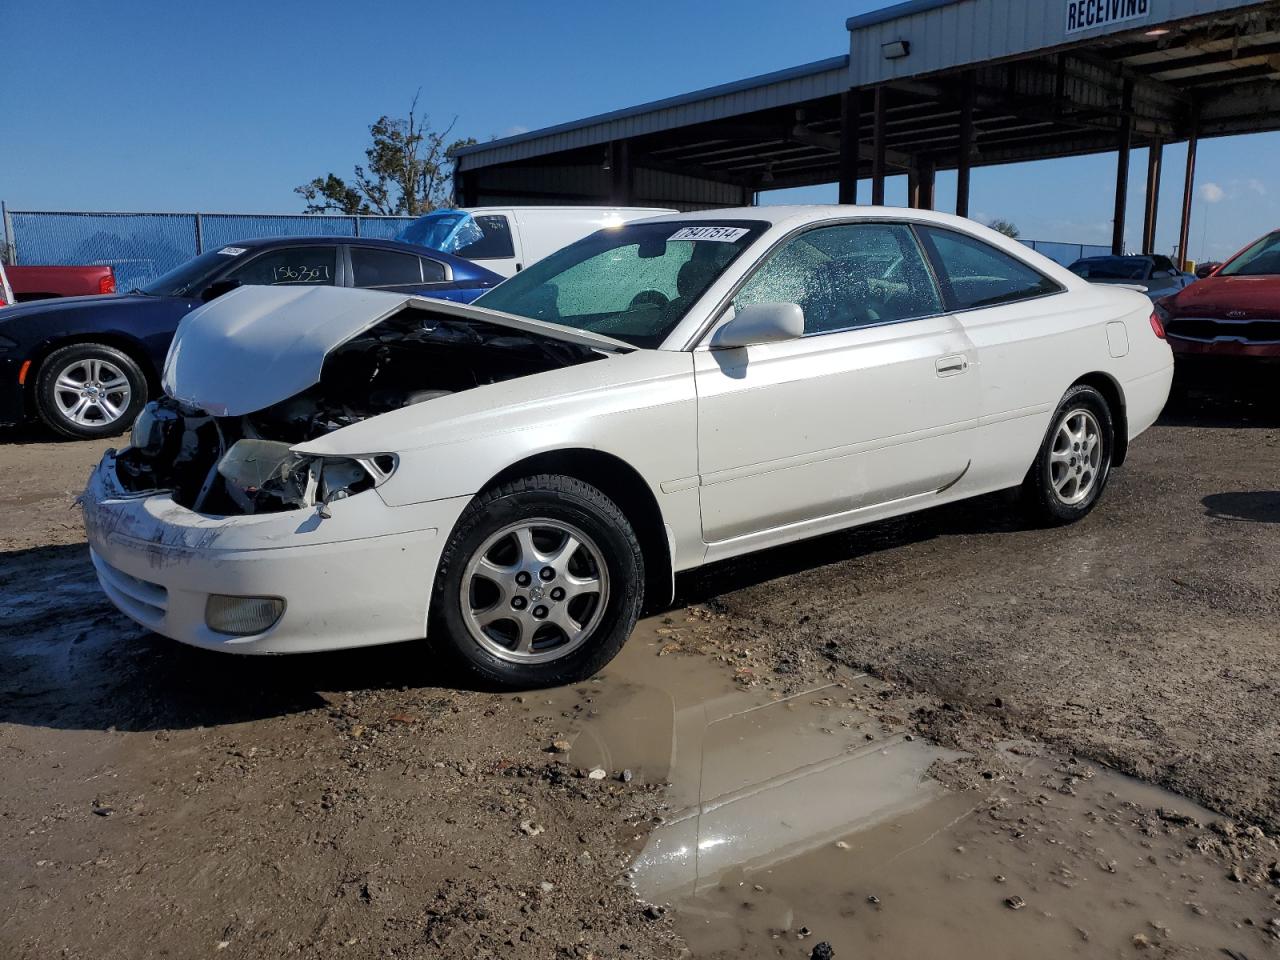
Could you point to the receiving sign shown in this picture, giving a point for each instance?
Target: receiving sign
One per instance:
(1088, 14)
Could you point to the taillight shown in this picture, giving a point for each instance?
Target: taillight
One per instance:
(107, 284)
(1157, 326)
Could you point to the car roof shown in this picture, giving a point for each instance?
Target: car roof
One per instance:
(460, 264)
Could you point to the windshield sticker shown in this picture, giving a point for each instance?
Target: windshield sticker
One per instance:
(232, 251)
(718, 234)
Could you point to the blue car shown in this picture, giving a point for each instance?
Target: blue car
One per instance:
(85, 366)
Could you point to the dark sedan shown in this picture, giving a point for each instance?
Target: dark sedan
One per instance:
(1158, 274)
(85, 366)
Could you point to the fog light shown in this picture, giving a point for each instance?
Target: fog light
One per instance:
(242, 616)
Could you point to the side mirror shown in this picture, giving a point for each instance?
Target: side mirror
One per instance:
(759, 323)
(216, 289)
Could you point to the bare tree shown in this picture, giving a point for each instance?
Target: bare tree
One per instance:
(407, 171)
(1006, 227)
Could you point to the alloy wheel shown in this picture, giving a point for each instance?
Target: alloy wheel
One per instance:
(534, 591)
(1075, 459)
(92, 392)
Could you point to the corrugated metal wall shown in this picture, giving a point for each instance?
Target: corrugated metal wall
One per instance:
(809, 82)
(975, 31)
(526, 186)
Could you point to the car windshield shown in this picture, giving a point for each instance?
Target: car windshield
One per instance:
(1260, 260)
(1118, 268)
(633, 283)
(445, 230)
(191, 277)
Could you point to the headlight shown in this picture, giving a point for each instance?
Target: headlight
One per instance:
(265, 475)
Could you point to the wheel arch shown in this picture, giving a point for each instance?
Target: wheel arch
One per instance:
(623, 484)
(1111, 391)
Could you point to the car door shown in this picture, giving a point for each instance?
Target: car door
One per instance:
(1025, 330)
(875, 403)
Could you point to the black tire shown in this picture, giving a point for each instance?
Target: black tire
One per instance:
(99, 422)
(1044, 500)
(559, 499)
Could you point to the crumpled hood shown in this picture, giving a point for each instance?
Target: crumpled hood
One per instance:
(256, 346)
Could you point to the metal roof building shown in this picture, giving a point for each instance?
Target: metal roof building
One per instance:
(927, 85)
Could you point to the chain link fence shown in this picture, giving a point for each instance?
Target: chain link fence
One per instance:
(142, 246)
(1067, 253)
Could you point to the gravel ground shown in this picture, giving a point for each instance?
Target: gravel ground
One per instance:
(163, 800)
(1146, 637)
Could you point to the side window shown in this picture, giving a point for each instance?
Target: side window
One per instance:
(979, 275)
(371, 267)
(495, 244)
(846, 276)
(432, 271)
(299, 266)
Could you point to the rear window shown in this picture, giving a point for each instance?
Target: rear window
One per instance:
(976, 274)
(384, 268)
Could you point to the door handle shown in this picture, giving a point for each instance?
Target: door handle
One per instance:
(950, 366)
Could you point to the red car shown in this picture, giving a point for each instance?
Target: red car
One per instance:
(46, 283)
(1232, 313)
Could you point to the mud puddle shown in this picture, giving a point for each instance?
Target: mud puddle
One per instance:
(793, 820)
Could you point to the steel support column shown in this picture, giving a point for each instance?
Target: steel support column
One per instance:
(920, 179)
(965, 158)
(1122, 169)
(850, 115)
(1188, 187)
(878, 149)
(1155, 161)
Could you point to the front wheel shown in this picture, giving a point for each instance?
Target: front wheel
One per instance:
(89, 390)
(540, 583)
(1074, 461)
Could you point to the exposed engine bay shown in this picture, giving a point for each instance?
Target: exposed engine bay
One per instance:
(245, 464)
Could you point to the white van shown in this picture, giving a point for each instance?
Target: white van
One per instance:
(508, 239)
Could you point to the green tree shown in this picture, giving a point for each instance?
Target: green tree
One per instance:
(1006, 227)
(407, 171)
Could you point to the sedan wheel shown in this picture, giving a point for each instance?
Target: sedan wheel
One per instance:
(89, 390)
(1074, 461)
(1076, 455)
(540, 583)
(534, 591)
(92, 392)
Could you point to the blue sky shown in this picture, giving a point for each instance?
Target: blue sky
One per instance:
(144, 105)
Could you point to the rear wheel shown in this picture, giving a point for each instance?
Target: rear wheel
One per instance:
(89, 390)
(540, 583)
(1074, 461)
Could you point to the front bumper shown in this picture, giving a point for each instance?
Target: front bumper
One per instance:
(1186, 349)
(359, 577)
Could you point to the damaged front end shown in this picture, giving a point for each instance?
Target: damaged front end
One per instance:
(232, 454)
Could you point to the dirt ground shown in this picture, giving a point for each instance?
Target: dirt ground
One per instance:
(161, 801)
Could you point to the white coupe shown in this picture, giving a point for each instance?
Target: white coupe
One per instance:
(516, 479)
